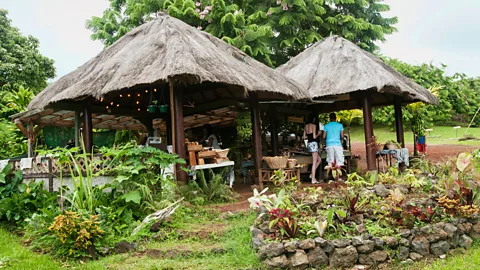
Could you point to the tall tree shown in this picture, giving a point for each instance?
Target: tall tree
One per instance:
(21, 64)
(272, 31)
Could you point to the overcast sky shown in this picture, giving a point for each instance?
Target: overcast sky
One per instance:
(429, 31)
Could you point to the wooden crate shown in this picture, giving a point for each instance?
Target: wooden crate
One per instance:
(207, 154)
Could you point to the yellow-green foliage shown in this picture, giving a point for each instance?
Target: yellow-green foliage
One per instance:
(76, 231)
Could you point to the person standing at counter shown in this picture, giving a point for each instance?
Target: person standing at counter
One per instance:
(333, 134)
(209, 137)
(311, 134)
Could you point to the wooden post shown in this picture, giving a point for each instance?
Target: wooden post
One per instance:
(87, 128)
(77, 128)
(50, 175)
(368, 126)
(178, 135)
(30, 139)
(257, 139)
(273, 130)
(399, 122)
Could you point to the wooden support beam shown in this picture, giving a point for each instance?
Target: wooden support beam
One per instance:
(30, 140)
(87, 128)
(77, 121)
(399, 122)
(368, 126)
(21, 127)
(176, 98)
(274, 129)
(202, 108)
(256, 138)
(59, 118)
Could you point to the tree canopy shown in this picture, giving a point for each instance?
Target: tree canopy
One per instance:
(21, 64)
(271, 31)
(459, 95)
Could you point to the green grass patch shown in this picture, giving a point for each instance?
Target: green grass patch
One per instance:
(15, 256)
(439, 135)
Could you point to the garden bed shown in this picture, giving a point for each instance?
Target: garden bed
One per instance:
(377, 219)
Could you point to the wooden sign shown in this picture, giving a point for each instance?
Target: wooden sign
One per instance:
(293, 119)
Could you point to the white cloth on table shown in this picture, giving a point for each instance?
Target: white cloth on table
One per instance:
(26, 163)
(3, 164)
(402, 155)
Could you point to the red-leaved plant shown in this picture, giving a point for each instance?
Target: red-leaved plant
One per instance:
(283, 220)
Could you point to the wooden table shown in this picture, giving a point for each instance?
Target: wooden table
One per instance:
(231, 164)
(268, 173)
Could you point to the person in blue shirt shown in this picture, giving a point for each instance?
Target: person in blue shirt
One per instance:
(333, 134)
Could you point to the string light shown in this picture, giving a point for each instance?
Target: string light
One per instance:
(146, 91)
(118, 105)
(111, 103)
(138, 102)
(128, 95)
(138, 95)
(121, 95)
(138, 109)
(107, 107)
(101, 100)
(155, 90)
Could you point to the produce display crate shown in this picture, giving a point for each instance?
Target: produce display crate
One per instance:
(207, 154)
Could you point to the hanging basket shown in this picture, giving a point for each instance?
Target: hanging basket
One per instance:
(276, 162)
(163, 108)
(152, 108)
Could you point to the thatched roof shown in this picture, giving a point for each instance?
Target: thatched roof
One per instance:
(336, 66)
(167, 49)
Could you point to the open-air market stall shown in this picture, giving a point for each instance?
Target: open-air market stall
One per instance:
(335, 67)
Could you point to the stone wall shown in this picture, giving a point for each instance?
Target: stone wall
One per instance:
(434, 240)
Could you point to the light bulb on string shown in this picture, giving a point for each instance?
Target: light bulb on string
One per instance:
(128, 95)
(106, 107)
(138, 109)
(118, 105)
(138, 102)
(101, 100)
(155, 90)
(111, 103)
(146, 91)
(121, 95)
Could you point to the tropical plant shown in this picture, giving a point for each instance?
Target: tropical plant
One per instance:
(214, 190)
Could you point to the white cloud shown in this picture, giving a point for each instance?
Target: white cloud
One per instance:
(436, 31)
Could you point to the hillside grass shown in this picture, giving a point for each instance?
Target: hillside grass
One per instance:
(439, 135)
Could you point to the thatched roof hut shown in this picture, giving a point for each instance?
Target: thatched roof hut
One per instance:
(336, 66)
(168, 49)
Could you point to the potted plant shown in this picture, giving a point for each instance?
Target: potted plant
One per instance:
(392, 145)
(152, 108)
(375, 144)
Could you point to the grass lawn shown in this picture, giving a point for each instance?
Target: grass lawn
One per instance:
(15, 256)
(235, 242)
(439, 135)
(195, 240)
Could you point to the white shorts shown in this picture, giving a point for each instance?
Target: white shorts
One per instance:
(335, 153)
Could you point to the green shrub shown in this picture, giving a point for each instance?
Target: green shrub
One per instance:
(201, 191)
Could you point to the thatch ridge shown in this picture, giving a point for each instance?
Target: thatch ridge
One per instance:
(335, 66)
(163, 49)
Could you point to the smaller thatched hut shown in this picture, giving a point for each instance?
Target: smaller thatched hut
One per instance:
(337, 67)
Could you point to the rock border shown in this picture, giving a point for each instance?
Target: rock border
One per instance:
(411, 245)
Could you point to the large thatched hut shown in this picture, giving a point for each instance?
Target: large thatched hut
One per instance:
(165, 60)
(335, 67)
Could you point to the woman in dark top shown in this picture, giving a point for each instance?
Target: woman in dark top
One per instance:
(310, 133)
